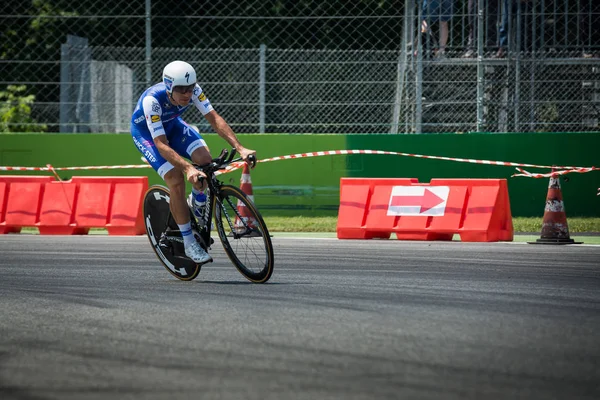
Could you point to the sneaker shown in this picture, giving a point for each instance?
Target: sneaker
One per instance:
(196, 206)
(469, 54)
(197, 254)
(439, 55)
(499, 53)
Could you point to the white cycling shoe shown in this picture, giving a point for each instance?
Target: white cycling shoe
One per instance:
(197, 254)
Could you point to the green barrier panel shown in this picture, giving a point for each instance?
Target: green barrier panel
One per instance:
(310, 186)
(303, 186)
(527, 195)
(307, 186)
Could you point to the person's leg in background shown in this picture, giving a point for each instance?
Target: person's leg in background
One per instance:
(445, 11)
(505, 25)
(492, 16)
(430, 14)
(588, 30)
(441, 51)
(529, 26)
(594, 23)
(470, 50)
(492, 20)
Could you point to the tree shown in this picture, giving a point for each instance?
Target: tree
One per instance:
(15, 111)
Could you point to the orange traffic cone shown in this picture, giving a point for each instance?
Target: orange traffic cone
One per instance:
(246, 183)
(555, 229)
(246, 186)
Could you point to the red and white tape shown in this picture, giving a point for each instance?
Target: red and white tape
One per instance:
(50, 168)
(234, 166)
(467, 160)
(555, 173)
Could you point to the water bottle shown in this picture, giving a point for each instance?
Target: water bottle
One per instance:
(200, 200)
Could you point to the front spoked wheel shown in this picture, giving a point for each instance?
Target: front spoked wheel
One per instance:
(244, 234)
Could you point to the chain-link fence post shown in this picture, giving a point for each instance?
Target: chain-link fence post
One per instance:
(480, 66)
(517, 52)
(148, 43)
(401, 67)
(419, 76)
(262, 90)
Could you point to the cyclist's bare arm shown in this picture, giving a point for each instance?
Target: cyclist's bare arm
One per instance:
(224, 130)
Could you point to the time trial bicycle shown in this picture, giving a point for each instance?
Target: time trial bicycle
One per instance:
(240, 226)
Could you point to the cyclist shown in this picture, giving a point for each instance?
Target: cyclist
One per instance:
(166, 141)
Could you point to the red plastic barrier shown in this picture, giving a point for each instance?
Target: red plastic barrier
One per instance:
(476, 209)
(56, 214)
(3, 191)
(20, 198)
(113, 203)
(72, 207)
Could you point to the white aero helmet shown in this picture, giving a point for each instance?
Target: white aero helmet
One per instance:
(178, 73)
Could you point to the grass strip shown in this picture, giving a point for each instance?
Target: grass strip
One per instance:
(328, 224)
(521, 225)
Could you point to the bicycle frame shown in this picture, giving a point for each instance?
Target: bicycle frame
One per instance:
(214, 186)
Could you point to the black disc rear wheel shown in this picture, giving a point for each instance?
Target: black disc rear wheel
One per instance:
(244, 234)
(164, 235)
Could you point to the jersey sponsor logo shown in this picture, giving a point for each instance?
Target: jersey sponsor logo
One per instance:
(155, 106)
(202, 97)
(144, 151)
(138, 120)
(206, 104)
(155, 118)
(196, 91)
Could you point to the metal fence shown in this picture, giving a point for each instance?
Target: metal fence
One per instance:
(308, 66)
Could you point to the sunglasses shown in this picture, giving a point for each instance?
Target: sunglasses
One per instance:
(184, 89)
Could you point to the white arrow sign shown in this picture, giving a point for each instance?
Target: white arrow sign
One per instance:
(418, 200)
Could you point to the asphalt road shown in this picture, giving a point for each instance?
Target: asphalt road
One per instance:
(97, 317)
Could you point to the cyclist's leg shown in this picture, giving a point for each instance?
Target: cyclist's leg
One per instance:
(199, 152)
(145, 145)
(172, 176)
(187, 142)
(176, 184)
